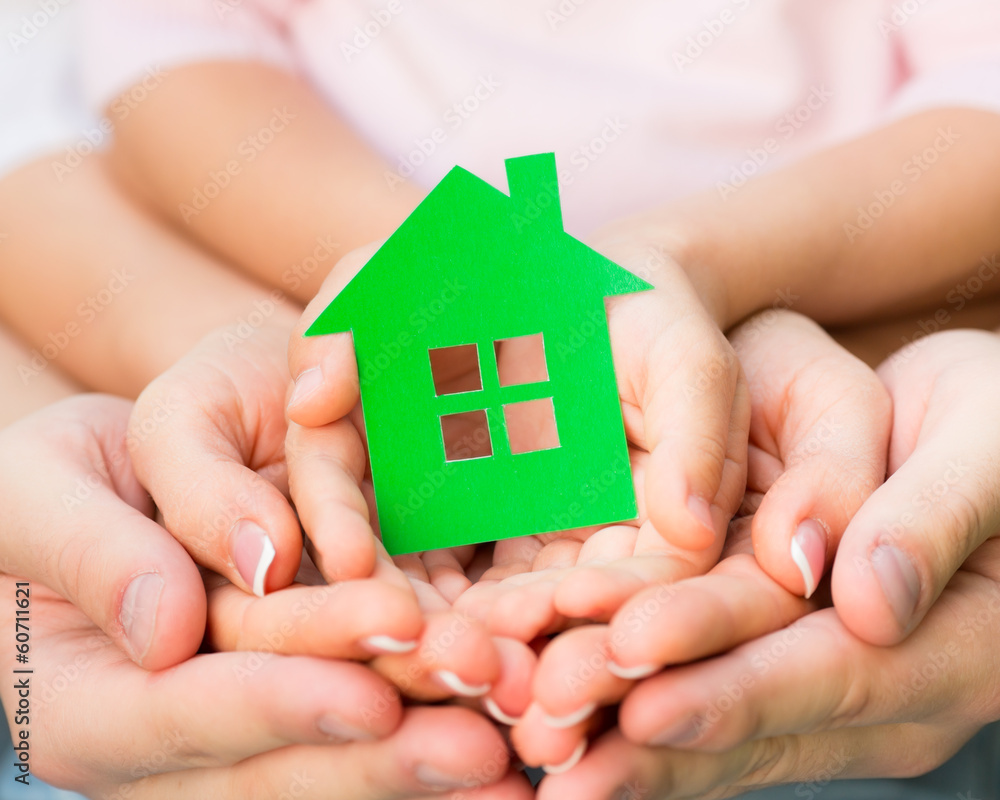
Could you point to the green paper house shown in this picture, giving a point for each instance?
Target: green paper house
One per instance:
(487, 383)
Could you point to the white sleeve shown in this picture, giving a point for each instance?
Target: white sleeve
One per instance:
(951, 51)
(128, 41)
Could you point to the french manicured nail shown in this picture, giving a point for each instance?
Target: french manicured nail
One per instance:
(138, 615)
(253, 553)
(633, 673)
(701, 511)
(809, 553)
(307, 383)
(682, 733)
(453, 683)
(433, 778)
(386, 644)
(334, 727)
(569, 763)
(899, 580)
(570, 720)
(498, 713)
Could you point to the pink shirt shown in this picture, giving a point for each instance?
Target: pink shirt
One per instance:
(643, 101)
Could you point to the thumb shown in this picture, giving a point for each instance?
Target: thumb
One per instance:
(324, 368)
(76, 520)
(820, 429)
(940, 504)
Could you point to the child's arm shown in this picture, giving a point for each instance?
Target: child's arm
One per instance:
(105, 292)
(314, 190)
(895, 220)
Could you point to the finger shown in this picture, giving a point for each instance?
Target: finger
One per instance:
(815, 675)
(200, 447)
(350, 620)
(214, 710)
(695, 417)
(675, 623)
(825, 415)
(434, 751)
(456, 657)
(906, 542)
(510, 695)
(613, 767)
(555, 747)
(68, 498)
(324, 366)
(596, 592)
(325, 468)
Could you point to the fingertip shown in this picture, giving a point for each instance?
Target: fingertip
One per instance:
(326, 384)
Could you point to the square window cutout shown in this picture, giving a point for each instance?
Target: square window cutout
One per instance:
(456, 369)
(521, 360)
(531, 426)
(466, 436)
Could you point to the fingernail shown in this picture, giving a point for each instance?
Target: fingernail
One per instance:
(455, 684)
(498, 713)
(253, 553)
(569, 763)
(899, 580)
(570, 720)
(701, 511)
(386, 644)
(307, 383)
(433, 778)
(809, 553)
(334, 727)
(633, 673)
(138, 615)
(682, 733)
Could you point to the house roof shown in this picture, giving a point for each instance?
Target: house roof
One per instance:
(468, 231)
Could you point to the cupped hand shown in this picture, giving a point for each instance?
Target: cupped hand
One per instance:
(818, 446)
(686, 414)
(807, 703)
(942, 498)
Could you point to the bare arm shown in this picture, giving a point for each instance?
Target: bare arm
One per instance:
(284, 174)
(104, 292)
(888, 223)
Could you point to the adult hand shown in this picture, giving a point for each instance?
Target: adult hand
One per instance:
(77, 530)
(819, 436)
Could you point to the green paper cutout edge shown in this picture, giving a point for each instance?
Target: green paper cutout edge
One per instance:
(419, 292)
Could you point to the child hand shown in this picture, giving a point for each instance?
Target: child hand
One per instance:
(214, 461)
(818, 446)
(679, 384)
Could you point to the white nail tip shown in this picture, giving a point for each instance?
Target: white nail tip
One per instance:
(389, 645)
(570, 720)
(570, 762)
(460, 687)
(266, 557)
(799, 557)
(633, 673)
(498, 713)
